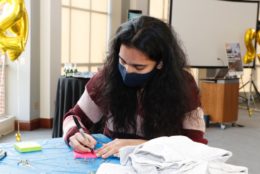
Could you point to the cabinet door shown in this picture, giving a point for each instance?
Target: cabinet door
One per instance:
(220, 101)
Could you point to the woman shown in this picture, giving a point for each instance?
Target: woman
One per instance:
(142, 92)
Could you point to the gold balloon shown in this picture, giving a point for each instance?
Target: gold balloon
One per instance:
(258, 42)
(250, 55)
(13, 28)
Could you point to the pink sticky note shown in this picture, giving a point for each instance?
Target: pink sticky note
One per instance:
(86, 155)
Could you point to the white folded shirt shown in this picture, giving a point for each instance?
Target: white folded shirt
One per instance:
(170, 155)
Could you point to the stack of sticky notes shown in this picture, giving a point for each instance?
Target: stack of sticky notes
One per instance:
(27, 146)
(85, 155)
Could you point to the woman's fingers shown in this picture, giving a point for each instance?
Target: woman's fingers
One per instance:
(86, 139)
(82, 143)
(109, 149)
(77, 146)
(106, 152)
(91, 141)
(112, 148)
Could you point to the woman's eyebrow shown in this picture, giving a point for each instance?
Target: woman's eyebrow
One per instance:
(130, 64)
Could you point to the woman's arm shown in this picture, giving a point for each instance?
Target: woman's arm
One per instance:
(194, 126)
(193, 123)
(88, 113)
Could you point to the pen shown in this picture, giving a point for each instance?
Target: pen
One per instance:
(81, 131)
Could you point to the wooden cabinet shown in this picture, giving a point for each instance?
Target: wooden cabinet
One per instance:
(219, 99)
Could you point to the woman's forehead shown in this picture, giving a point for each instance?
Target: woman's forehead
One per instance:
(133, 55)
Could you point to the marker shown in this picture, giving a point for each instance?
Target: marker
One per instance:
(81, 131)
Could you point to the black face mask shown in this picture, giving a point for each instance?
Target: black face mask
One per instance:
(134, 79)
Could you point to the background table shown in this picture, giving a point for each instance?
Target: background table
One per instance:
(69, 90)
(55, 158)
(220, 99)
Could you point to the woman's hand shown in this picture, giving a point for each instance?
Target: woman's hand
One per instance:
(82, 143)
(112, 148)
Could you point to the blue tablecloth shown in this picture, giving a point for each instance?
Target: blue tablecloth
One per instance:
(55, 157)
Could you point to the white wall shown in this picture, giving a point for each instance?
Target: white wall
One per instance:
(50, 22)
(115, 18)
(140, 5)
(32, 80)
(35, 60)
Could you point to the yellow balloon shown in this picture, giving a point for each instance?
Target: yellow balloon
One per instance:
(258, 42)
(250, 55)
(247, 59)
(13, 28)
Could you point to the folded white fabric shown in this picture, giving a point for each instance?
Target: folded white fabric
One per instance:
(172, 155)
(108, 168)
(175, 153)
(224, 168)
(212, 168)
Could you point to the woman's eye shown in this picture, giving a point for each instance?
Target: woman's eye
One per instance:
(122, 61)
(139, 68)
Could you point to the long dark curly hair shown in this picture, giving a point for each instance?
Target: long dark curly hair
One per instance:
(162, 101)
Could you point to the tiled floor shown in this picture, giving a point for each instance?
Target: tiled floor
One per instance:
(28, 135)
(243, 142)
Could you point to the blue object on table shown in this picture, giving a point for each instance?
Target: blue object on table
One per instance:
(2, 154)
(55, 158)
